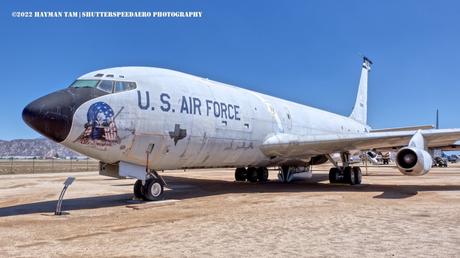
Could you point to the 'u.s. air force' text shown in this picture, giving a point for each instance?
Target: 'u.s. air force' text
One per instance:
(190, 105)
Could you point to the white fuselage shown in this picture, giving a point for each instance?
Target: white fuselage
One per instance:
(224, 125)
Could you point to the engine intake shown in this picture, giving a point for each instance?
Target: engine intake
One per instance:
(413, 161)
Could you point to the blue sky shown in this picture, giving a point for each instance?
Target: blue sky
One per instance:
(304, 51)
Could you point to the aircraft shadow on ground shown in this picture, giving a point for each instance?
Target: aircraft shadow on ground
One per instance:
(183, 188)
(207, 187)
(68, 205)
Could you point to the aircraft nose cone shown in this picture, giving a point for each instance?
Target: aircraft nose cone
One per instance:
(50, 115)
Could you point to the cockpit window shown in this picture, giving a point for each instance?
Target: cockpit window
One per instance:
(130, 86)
(84, 83)
(106, 86)
(124, 86)
(118, 87)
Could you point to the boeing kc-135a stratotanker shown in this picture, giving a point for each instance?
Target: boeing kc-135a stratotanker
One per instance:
(140, 120)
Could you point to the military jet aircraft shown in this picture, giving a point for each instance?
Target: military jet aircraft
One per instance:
(140, 120)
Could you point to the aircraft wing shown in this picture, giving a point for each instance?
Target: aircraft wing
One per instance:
(295, 146)
(452, 147)
(407, 128)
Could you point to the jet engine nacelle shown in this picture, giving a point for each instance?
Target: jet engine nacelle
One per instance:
(413, 161)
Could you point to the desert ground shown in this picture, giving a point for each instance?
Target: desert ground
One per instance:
(206, 213)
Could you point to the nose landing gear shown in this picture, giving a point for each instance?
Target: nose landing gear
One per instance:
(151, 189)
(138, 189)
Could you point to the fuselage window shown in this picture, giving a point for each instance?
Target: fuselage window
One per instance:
(106, 86)
(84, 84)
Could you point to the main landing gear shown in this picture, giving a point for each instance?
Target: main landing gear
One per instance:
(151, 189)
(344, 174)
(251, 174)
(347, 175)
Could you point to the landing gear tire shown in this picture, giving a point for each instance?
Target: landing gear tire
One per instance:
(153, 190)
(251, 174)
(358, 175)
(262, 174)
(240, 174)
(334, 174)
(138, 190)
(349, 175)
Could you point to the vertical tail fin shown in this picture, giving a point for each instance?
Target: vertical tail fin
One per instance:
(359, 112)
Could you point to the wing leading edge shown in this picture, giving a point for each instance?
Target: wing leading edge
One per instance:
(295, 146)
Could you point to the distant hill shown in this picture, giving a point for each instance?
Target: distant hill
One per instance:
(39, 147)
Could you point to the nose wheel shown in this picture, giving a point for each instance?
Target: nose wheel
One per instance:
(151, 189)
(138, 190)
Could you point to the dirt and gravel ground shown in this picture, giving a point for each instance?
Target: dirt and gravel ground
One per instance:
(389, 215)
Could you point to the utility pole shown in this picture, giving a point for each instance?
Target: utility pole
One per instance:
(437, 118)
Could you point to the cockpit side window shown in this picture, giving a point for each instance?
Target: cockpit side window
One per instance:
(106, 86)
(85, 83)
(118, 87)
(130, 86)
(124, 86)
